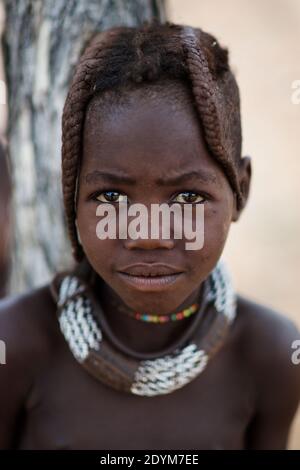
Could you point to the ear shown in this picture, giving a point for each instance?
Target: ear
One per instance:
(245, 173)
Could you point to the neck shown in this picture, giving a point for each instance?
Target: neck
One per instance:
(138, 335)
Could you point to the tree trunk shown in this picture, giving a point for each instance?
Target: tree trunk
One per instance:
(5, 225)
(42, 42)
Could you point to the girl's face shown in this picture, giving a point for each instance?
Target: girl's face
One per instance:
(152, 152)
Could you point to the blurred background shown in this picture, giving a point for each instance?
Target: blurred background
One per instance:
(263, 250)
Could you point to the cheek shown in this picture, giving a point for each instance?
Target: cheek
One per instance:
(86, 223)
(217, 224)
(95, 249)
(217, 218)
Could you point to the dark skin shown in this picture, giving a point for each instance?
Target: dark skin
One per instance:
(128, 148)
(247, 396)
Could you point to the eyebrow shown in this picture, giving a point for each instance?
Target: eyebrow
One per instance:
(203, 175)
(116, 178)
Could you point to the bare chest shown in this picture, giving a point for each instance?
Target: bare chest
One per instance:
(69, 409)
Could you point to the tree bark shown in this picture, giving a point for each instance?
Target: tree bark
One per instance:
(5, 225)
(42, 43)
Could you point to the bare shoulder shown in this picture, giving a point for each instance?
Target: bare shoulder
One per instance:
(266, 332)
(28, 327)
(29, 333)
(267, 339)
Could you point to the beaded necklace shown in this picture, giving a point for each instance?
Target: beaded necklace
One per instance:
(95, 347)
(152, 318)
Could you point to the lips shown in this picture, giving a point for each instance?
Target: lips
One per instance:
(150, 277)
(150, 270)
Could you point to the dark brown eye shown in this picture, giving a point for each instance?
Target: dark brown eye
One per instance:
(189, 197)
(110, 196)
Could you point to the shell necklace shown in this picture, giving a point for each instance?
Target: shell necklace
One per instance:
(93, 345)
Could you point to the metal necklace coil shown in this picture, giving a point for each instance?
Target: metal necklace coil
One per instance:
(91, 347)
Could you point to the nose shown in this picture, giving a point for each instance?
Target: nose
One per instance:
(160, 238)
(149, 243)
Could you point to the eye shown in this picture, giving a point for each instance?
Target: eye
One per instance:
(189, 197)
(110, 196)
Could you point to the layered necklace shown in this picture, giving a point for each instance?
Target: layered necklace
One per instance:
(95, 347)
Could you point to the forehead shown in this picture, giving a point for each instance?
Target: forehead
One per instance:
(145, 129)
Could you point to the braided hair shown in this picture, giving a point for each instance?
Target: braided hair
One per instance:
(127, 56)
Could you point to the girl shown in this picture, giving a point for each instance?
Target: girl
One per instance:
(145, 344)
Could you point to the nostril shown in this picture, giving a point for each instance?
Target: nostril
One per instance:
(149, 243)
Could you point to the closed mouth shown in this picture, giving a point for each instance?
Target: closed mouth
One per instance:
(150, 270)
(150, 279)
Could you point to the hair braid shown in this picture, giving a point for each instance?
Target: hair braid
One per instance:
(212, 107)
(126, 55)
(80, 92)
